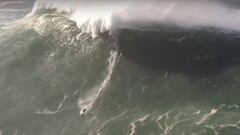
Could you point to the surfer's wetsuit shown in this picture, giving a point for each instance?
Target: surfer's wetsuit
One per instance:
(83, 112)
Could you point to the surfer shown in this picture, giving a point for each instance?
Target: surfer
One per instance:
(83, 112)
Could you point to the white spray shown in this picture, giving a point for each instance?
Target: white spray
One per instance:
(87, 103)
(99, 16)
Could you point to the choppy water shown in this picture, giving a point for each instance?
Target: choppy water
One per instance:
(12, 10)
(167, 80)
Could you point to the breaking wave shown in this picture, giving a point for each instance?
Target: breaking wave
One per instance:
(123, 71)
(98, 17)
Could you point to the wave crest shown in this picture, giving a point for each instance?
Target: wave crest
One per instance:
(96, 17)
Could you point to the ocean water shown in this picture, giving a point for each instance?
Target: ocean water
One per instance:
(12, 10)
(58, 77)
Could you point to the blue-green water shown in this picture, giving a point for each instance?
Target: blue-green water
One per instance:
(167, 81)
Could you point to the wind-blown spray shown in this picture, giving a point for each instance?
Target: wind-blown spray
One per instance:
(99, 16)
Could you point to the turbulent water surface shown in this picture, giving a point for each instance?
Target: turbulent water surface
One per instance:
(62, 77)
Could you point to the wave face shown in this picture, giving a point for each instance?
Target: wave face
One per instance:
(130, 79)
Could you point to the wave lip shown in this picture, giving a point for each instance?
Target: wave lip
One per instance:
(97, 17)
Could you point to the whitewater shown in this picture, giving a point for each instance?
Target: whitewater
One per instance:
(120, 68)
(98, 17)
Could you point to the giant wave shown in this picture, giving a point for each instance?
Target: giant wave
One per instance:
(66, 70)
(96, 17)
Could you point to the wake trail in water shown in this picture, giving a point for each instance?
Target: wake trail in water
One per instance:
(60, 107)
(86, 104)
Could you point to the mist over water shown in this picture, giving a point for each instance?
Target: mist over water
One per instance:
(138, 14)
(121, 68)
(12, 10)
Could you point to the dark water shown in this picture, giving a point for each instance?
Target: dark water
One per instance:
(167, 81)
